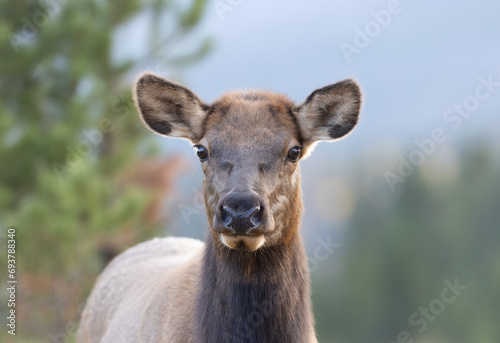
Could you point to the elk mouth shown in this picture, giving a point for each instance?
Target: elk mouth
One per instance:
(243, 242)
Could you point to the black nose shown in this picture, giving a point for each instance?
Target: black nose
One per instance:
(241, 213)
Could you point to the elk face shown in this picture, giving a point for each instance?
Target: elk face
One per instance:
(249, 145)
(249, 156)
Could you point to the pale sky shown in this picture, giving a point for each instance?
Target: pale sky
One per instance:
(412, 66)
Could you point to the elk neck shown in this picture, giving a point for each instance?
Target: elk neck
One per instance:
(259, 296)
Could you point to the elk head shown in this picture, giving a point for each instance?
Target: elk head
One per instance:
(249, 145)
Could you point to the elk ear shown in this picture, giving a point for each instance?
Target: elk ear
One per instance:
(170, 109)
(330, 112)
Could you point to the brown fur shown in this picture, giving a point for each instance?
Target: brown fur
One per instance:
(251, 287)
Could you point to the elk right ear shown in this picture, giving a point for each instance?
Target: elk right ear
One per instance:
(170, 109)
(330, 112)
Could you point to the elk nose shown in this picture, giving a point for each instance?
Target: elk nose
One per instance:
(241, 213)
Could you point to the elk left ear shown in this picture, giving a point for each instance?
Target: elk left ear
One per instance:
(170, 109)
(330, 112)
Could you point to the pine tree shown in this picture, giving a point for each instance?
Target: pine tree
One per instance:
(69, 130)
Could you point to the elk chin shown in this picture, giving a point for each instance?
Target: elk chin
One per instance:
(250, 243)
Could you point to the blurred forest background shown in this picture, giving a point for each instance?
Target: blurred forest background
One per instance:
(82, 180)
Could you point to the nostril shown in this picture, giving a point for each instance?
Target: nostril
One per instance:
(256, 215)
(251, 212)
(228, 210)
(225, 215)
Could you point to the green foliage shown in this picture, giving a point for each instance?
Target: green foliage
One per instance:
(397, 254)
(69, 131)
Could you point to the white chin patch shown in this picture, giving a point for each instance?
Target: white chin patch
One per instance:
(250, 243)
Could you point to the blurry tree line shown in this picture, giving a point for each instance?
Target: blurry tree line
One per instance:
(71, 140)
(397, 254)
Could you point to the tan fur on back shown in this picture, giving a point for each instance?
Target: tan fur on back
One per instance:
(145, 292)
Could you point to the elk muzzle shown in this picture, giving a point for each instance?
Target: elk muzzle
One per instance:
(240, 220)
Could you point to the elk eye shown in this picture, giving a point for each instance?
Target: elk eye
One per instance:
(294, 153)
(201, 152)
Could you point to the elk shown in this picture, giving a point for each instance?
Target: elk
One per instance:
(249, 281)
